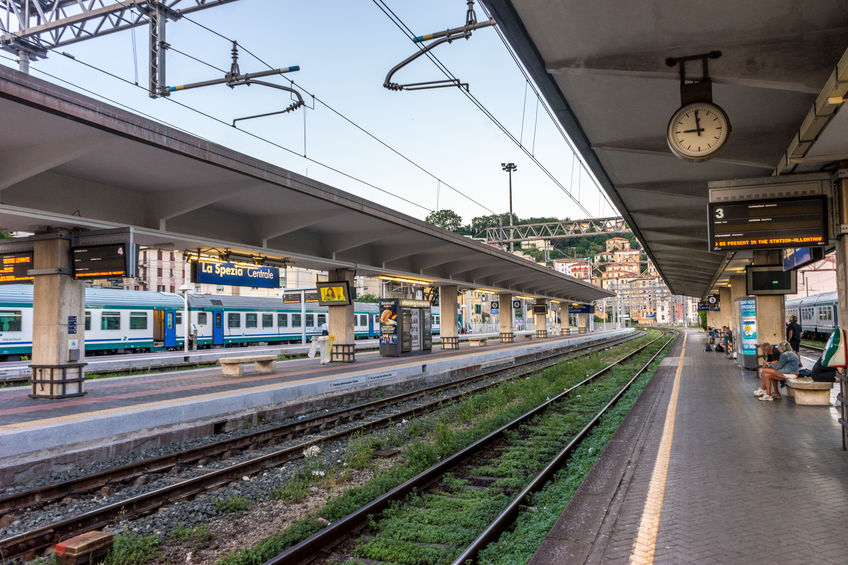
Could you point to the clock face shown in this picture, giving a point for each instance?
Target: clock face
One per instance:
(696, 131)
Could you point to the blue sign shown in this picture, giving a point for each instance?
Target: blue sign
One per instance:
(796, 257)
(233, 274)
(748, 322)
(580, 309)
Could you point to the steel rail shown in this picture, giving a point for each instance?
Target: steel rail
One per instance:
(146, 503)
(505, 518)
(82, 485)
(312, 547)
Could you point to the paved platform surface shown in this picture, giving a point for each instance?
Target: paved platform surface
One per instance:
(747, 481)
(121, 406)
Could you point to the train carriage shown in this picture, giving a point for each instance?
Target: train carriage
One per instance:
(817, 314)
(124, 321)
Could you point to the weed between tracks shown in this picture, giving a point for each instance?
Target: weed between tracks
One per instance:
(403, 534)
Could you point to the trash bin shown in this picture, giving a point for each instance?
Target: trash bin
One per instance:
(325, 346)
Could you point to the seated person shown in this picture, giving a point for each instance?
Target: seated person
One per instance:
(822, 374)
(776, 371)
(768, 354)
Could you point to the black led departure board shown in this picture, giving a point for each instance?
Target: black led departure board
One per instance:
(14, 267)
(768, 224)
(101, 261)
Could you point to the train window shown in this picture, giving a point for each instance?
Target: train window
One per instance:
(267, 320)
(10, 321)
(283, 320)
(250, 320)
(233, 320)
(322, 319)
(310, 320)
(178, 317)
(201, 319)
(110, 321)
(296, 323)
(825, 314)
(138, 320)
(88, 321)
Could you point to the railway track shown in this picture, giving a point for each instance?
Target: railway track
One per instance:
(474, 466)
(31, 542)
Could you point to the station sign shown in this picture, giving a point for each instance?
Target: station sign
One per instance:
(235, 274)
(580, 309)
(797, 257)
(14, 267)
(333, 293)
(703, 306)
(768, 224)
(104, 261)
(516, 304)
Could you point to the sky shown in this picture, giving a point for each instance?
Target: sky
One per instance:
(345, 49)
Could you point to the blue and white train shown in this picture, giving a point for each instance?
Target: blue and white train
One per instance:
(126, 321)
(817, 314)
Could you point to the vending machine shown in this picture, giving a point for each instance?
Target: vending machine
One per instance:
(405, 326)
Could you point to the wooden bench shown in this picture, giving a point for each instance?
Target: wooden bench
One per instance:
(233, 366)
(529, 337)
(477, 341)
(806, 391)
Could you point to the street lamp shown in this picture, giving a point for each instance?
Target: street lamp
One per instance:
(186, 321)
(510, 167)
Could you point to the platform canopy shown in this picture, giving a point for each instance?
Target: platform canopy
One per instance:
(601, 66)
(67, 160)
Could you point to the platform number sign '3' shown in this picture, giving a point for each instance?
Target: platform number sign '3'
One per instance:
(719, 213)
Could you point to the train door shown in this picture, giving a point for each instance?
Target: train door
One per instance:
(218, 328)
(170, 329)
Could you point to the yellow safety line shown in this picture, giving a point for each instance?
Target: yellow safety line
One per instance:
(646, 540)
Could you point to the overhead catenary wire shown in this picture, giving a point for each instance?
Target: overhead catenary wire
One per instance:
(409, 33)
(317, 99)
(219, 120)
(556, 123)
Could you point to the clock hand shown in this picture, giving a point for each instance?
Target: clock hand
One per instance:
(691, 130)
(698, 127)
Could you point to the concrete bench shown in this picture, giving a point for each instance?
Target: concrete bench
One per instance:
(234, 366)
(806, 391)
(477, 341)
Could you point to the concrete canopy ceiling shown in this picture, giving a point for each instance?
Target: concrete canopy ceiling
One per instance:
(601, 67)
(67, 160)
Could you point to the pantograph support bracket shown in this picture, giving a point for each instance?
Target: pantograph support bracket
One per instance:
(235, 78)
(447, 36)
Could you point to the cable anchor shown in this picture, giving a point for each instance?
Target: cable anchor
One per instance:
(447, 36)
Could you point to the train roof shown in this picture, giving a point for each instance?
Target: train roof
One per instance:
(825, 297)
(227, 302)
(22, 294)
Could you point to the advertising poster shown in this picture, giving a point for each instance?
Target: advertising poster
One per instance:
(388, 322)
(748, 322)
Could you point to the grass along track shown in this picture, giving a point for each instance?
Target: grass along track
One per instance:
(464, 499)
(35, 540)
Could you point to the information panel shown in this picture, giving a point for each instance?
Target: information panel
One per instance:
(580, 309)
(768, 224)
(101, 261)
(333, 293)
(235, 274)
(14, 267)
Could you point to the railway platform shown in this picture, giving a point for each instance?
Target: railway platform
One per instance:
(702, 472)
(120, 414)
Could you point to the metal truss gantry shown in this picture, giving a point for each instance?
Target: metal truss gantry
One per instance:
(30, 28)
(557, 230)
